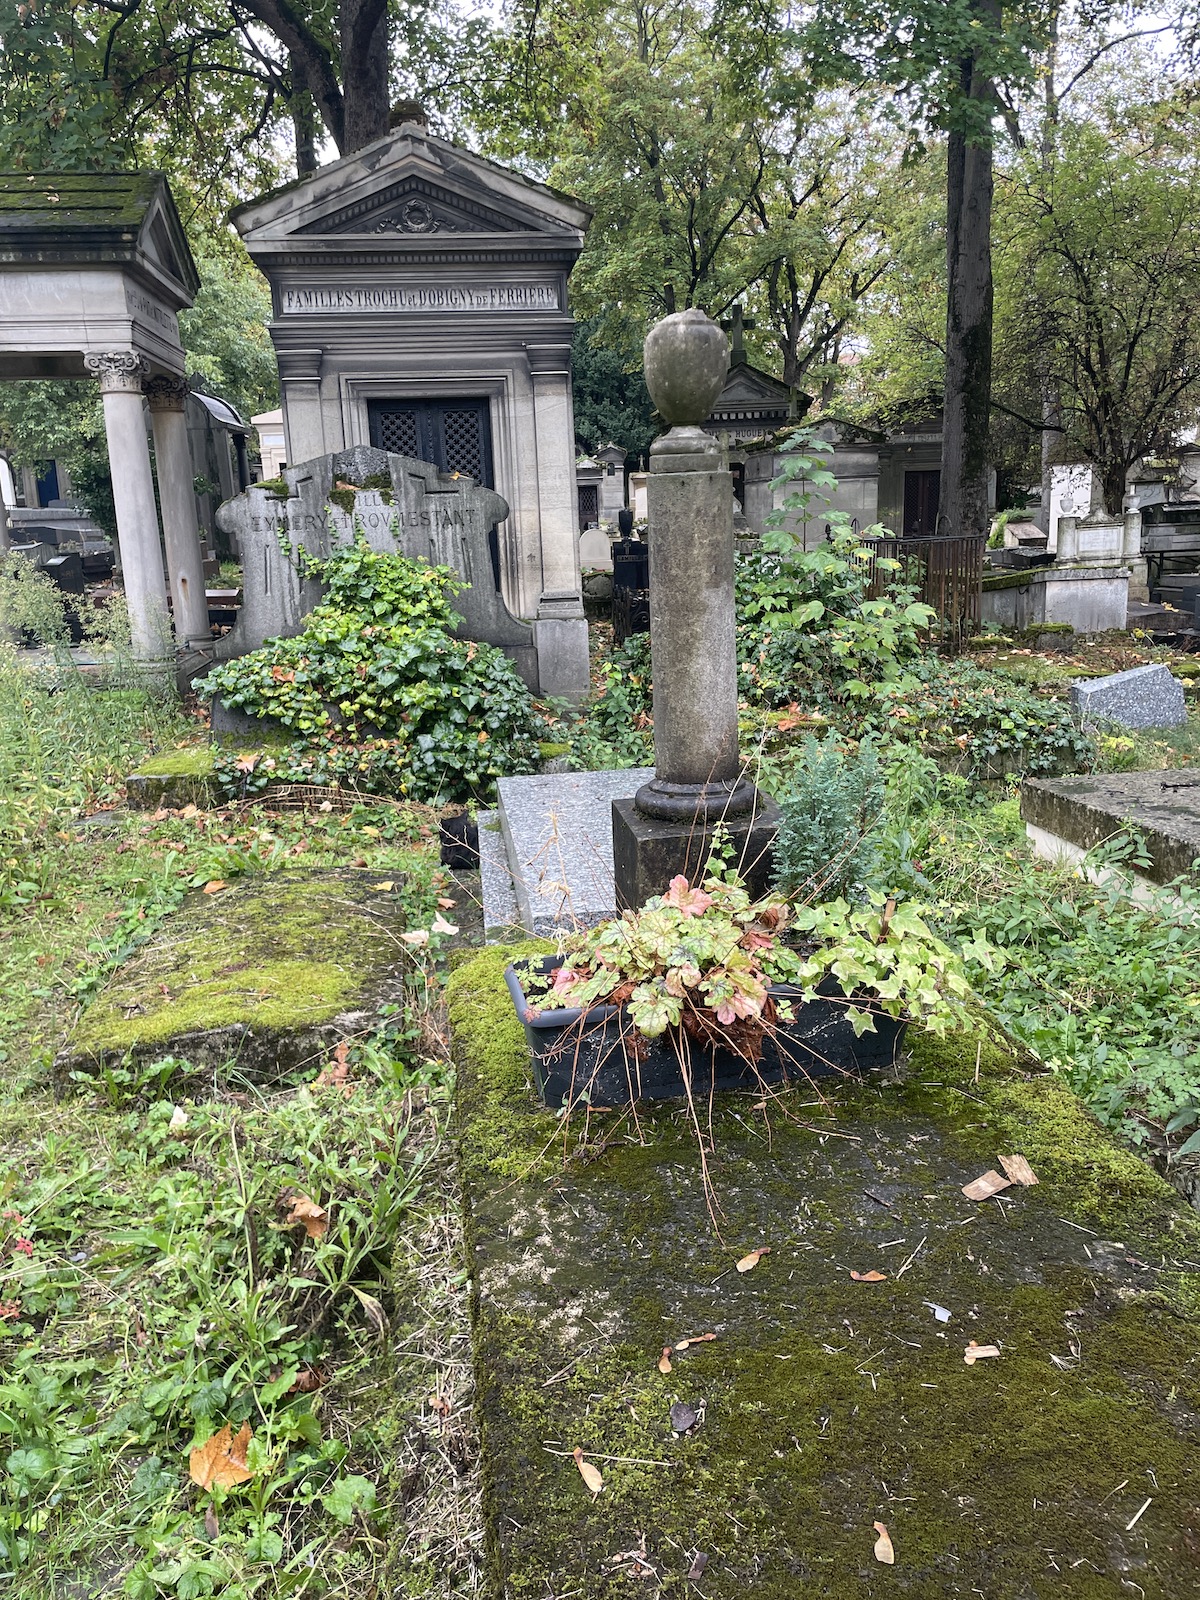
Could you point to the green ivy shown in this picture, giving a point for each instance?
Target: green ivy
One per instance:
(379, 693)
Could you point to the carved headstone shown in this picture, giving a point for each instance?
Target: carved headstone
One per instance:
(398, 504)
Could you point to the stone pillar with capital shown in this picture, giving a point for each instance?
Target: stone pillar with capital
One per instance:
(560, 631)
(121, 373)
(167, 397)
(698, 783)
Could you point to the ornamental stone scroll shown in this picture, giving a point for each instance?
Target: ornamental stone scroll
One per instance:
(119, 371)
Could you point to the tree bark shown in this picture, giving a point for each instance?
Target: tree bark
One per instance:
(963, 507)
(366, 75)
(304, 124)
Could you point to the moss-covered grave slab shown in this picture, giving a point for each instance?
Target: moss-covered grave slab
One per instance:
(264, 974)
(1065, 1466)
(175, 778)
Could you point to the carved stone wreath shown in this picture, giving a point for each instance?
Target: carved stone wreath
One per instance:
(415, 216)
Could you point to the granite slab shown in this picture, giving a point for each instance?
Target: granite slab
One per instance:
(500, 915)
(559, 839)
(1163, 806)
(1143, 697)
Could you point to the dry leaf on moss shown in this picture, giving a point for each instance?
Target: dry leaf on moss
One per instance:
(214, 886)
(869, 1277)
(664, 1360)
(696, 1338)
(220, 1462)
(376, 1315)
(385, 887)
(751, 1260)
(314, 1218)
(883, 1546)
(984, 1188)
(1019, 1170)
(976, 1352)
(589, 1473)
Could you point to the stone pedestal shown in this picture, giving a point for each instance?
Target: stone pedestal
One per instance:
(698, 781)
(176, 497)
(120, 373)
(648, 852)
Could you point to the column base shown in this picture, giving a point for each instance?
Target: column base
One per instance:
(648, 852)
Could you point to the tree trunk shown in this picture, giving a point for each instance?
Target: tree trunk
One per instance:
(365, 72)
(964, 498)
(304, 123)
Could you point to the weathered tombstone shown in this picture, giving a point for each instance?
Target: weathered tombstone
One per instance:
(668, 827)
(66, 571)
(398, 504)
(1144, 697)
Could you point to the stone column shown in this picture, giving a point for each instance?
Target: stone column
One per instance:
(167, 396)
(120, 373)
(697, 783)
(561, 628)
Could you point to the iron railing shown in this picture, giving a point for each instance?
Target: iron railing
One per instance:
(945, 571)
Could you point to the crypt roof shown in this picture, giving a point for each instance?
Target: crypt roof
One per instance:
(119, 219)
(411, 197)
(752, 402)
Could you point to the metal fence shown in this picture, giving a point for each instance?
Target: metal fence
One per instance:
(947, 574)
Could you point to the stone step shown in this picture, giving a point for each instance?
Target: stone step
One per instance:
(557, 831)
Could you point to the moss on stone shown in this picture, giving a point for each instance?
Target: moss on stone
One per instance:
(276, 486)
(188, 761)
(253, 970)
(829, 1404)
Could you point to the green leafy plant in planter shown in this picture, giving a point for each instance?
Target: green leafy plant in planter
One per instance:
(380, 693)
(830, 827)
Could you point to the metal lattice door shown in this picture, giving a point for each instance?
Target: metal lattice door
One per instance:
(454, 435)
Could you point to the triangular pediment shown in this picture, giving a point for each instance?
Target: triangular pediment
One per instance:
(408, 187)
(416, 206)
(747, 386)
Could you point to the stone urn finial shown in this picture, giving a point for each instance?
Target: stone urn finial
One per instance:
(686, 358)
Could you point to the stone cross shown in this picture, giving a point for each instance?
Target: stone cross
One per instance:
(736, 326)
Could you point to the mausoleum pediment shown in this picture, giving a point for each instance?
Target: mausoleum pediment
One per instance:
(408, 189)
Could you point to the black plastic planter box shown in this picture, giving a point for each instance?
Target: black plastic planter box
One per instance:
(577, 1056)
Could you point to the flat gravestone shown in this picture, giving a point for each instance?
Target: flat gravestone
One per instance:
(1143, 697)
(815, 1407)
(558, 832)
(1162, 806)
(398, 504)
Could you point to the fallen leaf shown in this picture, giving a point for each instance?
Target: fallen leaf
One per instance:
(750, 1261)
(315, 1218)
(416, 936)
(684, 1417)
(308, 1381)
(214, 886)
(376, 1315)
(664, 1360)
(883, 1546)
(975, 1352)
(984, 1188)
(9, 1308)
(211, 1526)
(446, 905)
(696, 1570)
(178, 1120)
(359, 861)
(440, 925)
(589, 1473)
(335, 1076)
(869, 1277)
(1019, 1170)
(220, 1462)
(439, 1403)
(190, 810)
(384, 888)
(696, 1338)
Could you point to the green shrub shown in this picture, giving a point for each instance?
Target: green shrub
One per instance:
(828, 839)
(981, 722)
(380, 693)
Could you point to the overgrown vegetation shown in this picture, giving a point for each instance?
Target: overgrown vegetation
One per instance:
(379, 694)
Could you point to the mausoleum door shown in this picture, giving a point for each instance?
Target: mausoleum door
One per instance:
(922, 492)
(455, 435)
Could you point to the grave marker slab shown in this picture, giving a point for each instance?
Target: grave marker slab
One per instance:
(1144, 697)
(399, 504)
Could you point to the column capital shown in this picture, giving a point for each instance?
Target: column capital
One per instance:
(166, 391)
(119, 371)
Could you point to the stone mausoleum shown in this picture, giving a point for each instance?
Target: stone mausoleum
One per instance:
(420, 307)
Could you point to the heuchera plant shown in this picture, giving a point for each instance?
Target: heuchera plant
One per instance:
(706, 959)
